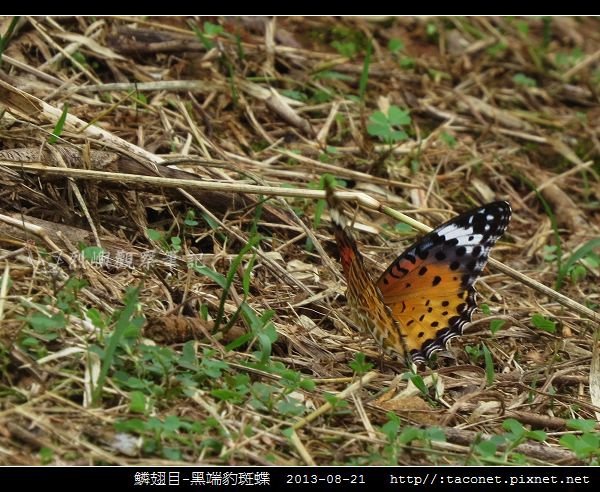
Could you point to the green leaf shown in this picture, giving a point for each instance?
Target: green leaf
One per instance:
(397, 116)
(496, 49)
(407, 62)
(173, 454)
(569, 441)
(522, 27)
(29, 342)
(93, 253)
(409, 434)
(431, 30)
(550, 252)
(290, 406)
(227, 395)
(239, 341)
(583, 425)
(46, 455)
(379, 119)
(474, 352)
(385, 126)
(592, 260)
(397, 136)
(515, 427)
(583, 446)
(307, 384)
(537, 435)
(496, 325)
(188, 358)
(391, 427)
(96, 317)
(522, 79)
(359, 365)
(172, 424)
(334, 401)
(211, 29)
(345, 48)
(543, 323)
(175, 243)
(395, 45)
(42, 323)
(448, 139)
(403, 228)
(131, 425)
(487, 448)
(137, 402)
(577, 273)
(377, 130)
(434, 434)
(140, 97)
(154, 235)
(203, 35)
(213, 368)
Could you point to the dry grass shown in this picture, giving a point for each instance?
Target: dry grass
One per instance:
(181, 146)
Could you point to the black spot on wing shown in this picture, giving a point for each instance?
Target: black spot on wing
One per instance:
(422, 252)
(453, 327)
(438, 246)
(451, 242)
(440, 256)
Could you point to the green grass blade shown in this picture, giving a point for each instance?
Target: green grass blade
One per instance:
(6, 38)
(577, 255)
(252, 242)
(58, 129)
(364, 76)
(489, 365)
(123, 323)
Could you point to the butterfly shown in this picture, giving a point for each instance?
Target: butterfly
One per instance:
(426, 296)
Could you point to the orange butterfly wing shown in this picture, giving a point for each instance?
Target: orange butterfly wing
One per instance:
(429, 287)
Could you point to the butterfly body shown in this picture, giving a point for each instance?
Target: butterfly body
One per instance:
(426, 296)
